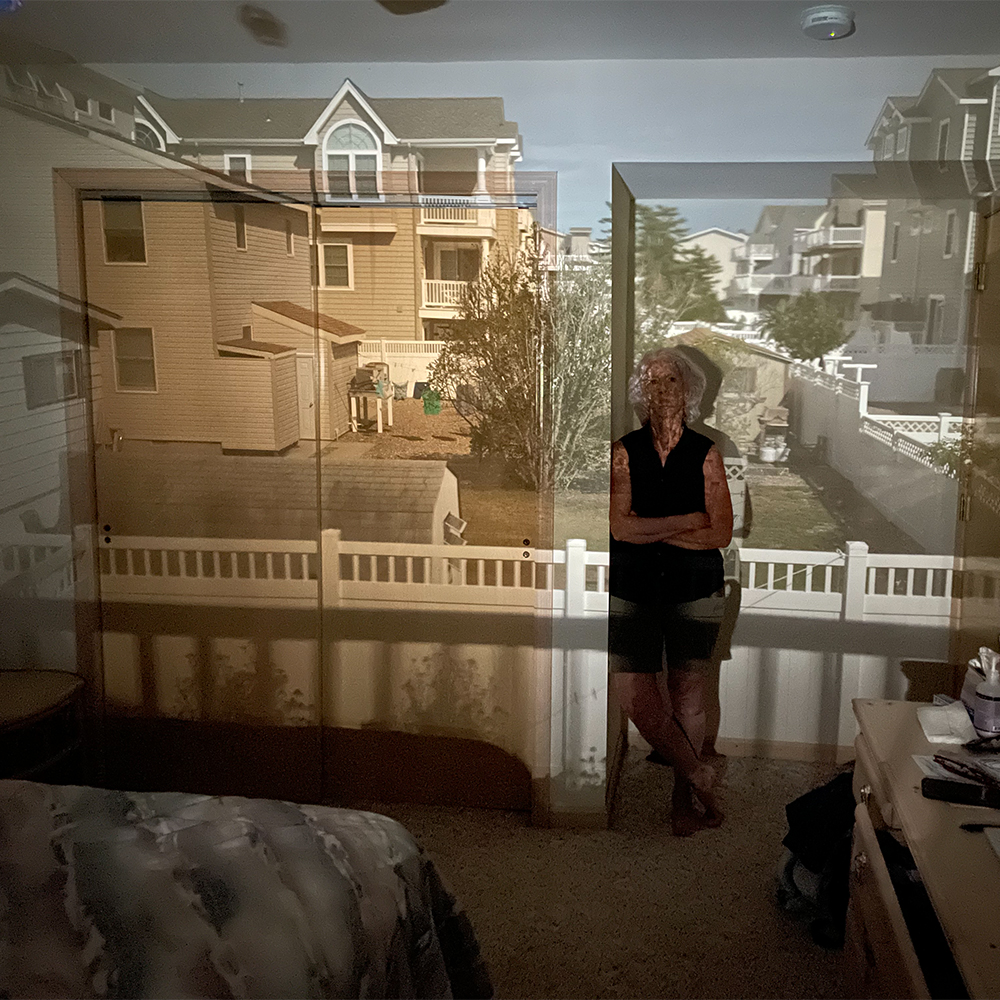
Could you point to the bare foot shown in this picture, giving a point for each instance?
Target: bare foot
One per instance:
(702, 781)
(685, 819)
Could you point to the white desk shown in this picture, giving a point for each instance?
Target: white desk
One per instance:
(960, 870)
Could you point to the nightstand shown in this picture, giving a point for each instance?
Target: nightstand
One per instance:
(959, 870)
(40, 725)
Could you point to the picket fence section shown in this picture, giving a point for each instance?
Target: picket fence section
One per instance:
(571, 582)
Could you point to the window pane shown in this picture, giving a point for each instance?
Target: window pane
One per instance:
(449, 265)
(136, 375)
(351, 137)
(39, 381)
(105, 110)
(468, 265)
(238, 167)
(125, 246)
(338, 179)
(365, 176)
(123, 213)
(241, 227)
(132, 344)
(66, 374)
(336, 266)
(81, 103)
(145, 136)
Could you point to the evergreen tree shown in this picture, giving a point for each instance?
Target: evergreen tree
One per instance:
(673, 282)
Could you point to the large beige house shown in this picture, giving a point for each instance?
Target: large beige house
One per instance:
(409, 195)
(413, 193)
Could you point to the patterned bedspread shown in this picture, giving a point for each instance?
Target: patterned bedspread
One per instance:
(123, 894)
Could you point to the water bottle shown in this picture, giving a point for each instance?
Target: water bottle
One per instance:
(986, 716)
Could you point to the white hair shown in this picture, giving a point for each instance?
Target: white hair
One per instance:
(692, 375)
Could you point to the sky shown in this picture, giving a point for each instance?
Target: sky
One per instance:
(577, 117)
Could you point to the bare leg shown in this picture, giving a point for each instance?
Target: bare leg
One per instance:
(686, 687)
(645, 705)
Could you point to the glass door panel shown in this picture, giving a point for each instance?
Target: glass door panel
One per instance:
(205, 491)
(437, 564)
(979, 528)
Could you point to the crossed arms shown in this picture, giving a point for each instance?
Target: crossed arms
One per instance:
(711, 530)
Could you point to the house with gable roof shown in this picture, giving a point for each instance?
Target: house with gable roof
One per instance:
(769, 266)
(943, 147)
(414, 193)
(724, 247)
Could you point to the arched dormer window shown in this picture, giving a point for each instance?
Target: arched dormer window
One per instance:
(352, 156)
(147, 137)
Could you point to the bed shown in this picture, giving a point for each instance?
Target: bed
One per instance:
(127, 894)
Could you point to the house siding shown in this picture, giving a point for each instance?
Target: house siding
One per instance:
(187, 297)
(264, 160)
(336, 368)
(263, 271)
(343, 360)
(35, 443)
(285, 393)
(382, 301)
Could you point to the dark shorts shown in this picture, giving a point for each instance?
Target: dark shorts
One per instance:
(640, 635)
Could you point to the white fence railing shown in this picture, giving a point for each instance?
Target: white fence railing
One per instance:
(443, 294)
(830, 236)
(838, 282)
(571, 582)
(408, 360)
(386, 350)
(43, 567)
(751, 251)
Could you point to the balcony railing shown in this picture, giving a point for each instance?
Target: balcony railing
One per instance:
(776, 284)
(453, 210)
(752, 282)
(831, 237)
(754, 251)
(444, 294)
(838, 282)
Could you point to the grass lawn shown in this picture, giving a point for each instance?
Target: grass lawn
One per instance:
(807, 507)
(787, 516)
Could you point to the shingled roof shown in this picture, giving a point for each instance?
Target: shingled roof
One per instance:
(222, 118)
(291, 117)
(289, 313)
(445, 117)
(238, 496)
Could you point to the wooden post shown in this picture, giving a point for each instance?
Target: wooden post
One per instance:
(329, 576)
(855, 574)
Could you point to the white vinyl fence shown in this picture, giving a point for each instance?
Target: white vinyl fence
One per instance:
(816, 629)
(408, 360)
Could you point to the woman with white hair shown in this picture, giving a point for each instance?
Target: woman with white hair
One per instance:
(670, 515)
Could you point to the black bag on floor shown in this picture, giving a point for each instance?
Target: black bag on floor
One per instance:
(813, 875)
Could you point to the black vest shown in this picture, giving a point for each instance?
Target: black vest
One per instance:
(657, 572)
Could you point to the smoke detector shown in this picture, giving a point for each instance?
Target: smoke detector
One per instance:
(828, 21)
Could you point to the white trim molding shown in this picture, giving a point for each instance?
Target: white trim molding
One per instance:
(171, 135)
(340, 242)
(231, 155)
(347, 87)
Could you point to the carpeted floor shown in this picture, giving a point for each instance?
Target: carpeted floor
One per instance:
(633, 911)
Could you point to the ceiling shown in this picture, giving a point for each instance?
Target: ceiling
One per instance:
(192, 31)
